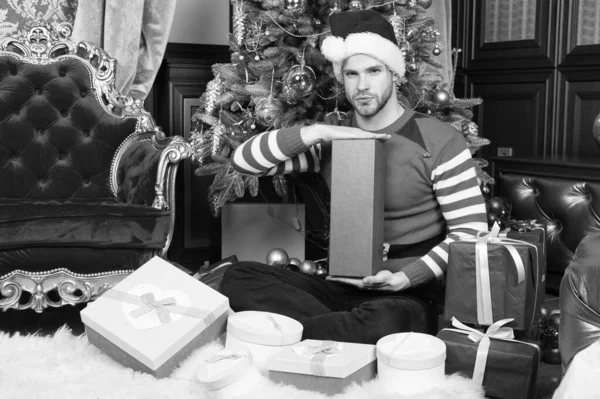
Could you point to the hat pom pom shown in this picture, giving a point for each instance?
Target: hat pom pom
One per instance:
(334, 49)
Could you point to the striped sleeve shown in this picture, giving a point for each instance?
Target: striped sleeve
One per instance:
(458, 193)
(276, 152)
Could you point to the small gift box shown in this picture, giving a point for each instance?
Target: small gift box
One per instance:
(155, 317)
(408, 363)
(492, 278)
(505, 367)
(323, 366)
(228, 374)
(262, 333)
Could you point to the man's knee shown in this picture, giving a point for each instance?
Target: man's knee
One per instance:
(237, 273)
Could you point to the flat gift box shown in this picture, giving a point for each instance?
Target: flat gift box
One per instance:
(509, 299)
(357, 206)
(138, 336)
(327, 373)
(511, 367)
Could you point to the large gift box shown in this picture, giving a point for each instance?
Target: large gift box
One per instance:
(323, 366)
(506, 368)
(155, 317)
(491, 278)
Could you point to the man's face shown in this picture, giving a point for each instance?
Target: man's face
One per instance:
(368, 83)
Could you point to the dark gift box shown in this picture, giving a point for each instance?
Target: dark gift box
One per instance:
(510, 370)
(468, 291)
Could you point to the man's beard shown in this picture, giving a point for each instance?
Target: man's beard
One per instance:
(374, 105)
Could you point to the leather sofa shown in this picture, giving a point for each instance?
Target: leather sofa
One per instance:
(86, 177)
(563, 194)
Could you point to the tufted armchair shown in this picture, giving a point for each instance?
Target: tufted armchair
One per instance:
(86, 177)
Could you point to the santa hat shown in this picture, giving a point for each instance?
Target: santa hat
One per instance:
(362, 32)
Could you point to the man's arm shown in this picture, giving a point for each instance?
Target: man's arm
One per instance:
(458, 193)
(293, 149)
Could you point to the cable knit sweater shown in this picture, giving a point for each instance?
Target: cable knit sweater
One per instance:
(431, 184)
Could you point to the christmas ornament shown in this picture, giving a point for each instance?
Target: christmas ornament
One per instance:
(436, 50)
(424, 3)
(293, 8)
(321, 272)
(239, 23)
(411, 3)
(398, 24)
(485, 190)
(300, 79)
(499, 210)
(197, 142)
(267, 109)
(295, 261)
(441, 97)
(355, 5)
(292, 268)
(218, 133)
(277, 257)
(550, 350)
(471, 129)
(214, 89)
(412, 67)
(308, 267)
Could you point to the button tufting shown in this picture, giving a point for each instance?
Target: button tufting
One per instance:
(40, 132)
(86, 181)
(39, 91)
(83, 94)
(13, 71)
(62, 72)
(61, 157)
(64, 113)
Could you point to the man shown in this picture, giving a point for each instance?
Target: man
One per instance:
(431, 198)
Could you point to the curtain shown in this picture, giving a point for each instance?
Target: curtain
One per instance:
(441, 11)
(135, 32)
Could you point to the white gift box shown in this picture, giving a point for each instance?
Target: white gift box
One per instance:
(409, 363)
(323, 366)
(228, 374)
(155, 317)
(261, 333)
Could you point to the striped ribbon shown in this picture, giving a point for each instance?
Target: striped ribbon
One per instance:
(319, 353)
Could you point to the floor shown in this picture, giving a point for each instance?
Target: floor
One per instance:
(27, 322)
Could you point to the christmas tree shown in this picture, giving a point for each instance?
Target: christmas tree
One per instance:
(278, 77)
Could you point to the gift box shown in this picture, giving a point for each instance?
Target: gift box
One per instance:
(228, 374)
(506, 368)
(323, 366)
(409, 363)
(262, 333)
(155, 317)
(357, 207)
(491, 278)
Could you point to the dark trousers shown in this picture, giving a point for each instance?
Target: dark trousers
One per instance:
(327, 310)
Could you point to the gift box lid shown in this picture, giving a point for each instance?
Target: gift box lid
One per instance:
(144, 336)
(411, 351)
(324, 358)
(264, 328)
(224, 368)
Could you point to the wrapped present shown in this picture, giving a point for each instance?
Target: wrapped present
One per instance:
(491, 278)
(323, 366)
(228, 374)
(263, 334)
(506, 368)
(155, 317)
(409, 363)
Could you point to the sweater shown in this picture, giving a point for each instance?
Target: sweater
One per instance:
(431, 185)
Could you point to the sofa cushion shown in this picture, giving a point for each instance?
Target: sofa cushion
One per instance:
(81, 223)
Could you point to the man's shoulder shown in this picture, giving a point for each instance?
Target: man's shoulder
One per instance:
(435, 132)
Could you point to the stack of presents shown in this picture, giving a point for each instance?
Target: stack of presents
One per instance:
(157, 316)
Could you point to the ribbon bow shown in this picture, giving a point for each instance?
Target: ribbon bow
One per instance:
(319, 353)
(234, 355)
(496, 330)
(483, 282)
(149, 303)
(524, 225)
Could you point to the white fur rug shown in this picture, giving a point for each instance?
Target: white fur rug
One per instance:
(66, 366)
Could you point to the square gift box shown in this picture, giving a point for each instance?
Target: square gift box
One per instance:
(493, 278)
(510, 366)
(155, 317)
(323, 366)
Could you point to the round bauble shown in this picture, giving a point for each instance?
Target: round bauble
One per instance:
(554, 320)
(424, 3)
(291, 267)
(277, 257)
(267, 109)
(485, 189)
(293, 8)
(321, 272)
(295, 261)
(551, 355)
(436, 51)
(499, 206)
(308, 267)
(412, 67)
(441, 97)
(300, 79)
(355, 5)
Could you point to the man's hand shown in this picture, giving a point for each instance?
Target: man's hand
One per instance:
(382, 281)
(321, 133)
